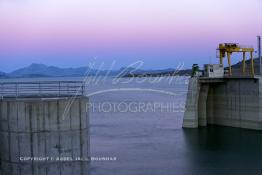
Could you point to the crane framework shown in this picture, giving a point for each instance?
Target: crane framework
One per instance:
(226, 49)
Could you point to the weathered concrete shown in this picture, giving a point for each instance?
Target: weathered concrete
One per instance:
(47, 127)
(191, 114)
(235, 102)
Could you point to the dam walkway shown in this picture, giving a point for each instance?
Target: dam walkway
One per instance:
(41, 89)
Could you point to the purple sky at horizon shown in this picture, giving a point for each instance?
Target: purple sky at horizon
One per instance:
(70, 33)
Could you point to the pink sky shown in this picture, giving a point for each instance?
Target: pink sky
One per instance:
(48, 31)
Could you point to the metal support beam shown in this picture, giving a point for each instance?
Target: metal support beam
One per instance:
(252, 64)
(221, 57)
(229, 63)
(244, 64)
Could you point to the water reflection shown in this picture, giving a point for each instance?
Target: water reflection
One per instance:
(223, 150)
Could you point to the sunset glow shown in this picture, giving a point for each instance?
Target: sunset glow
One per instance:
(68, 33)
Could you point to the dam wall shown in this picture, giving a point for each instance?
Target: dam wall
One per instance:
(234, 102)
(54, 129)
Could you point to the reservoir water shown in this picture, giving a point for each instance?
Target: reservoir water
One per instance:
(138, 123)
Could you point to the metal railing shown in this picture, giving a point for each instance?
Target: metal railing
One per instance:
(42, 89)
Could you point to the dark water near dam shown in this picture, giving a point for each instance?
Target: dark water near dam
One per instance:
(140, 124)
(153, 141)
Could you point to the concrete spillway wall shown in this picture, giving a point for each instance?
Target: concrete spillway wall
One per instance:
(232, 102)
(48, 128)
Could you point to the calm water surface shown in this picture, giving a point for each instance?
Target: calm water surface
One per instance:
(152, 142)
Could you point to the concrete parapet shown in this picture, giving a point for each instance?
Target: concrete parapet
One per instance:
(44, 128)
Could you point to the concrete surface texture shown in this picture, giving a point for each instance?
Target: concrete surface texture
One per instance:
(232, 102)
(46, 129)
(191, 112)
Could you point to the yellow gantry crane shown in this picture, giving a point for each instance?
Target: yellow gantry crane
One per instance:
(228, 48)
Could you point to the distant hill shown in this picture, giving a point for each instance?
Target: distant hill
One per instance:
(157, 73)
(237, 68)
(3, 75)
(41, 70)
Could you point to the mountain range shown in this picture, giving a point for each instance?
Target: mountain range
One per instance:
(41, 70)
(2, 74)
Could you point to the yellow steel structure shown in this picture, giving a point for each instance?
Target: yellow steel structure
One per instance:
(229, 48)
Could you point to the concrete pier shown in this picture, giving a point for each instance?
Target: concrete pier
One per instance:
(44, 136)
(232, 102)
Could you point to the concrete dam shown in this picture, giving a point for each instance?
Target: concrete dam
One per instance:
(232, 102)
(44, 129)
(227, 96)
